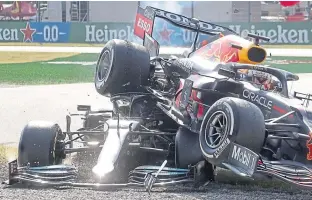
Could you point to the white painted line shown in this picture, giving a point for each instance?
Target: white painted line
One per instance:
(163, 50)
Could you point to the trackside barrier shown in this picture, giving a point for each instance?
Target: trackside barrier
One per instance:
(282, 33)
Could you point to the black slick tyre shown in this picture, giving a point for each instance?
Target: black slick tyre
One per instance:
(122, 67)
(40, 144)
(231, 120)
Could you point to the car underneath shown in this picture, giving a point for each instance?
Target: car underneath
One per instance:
(174, 120)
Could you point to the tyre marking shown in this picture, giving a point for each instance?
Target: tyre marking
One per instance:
(111, 56)
(221, 148)
(232, 117)
(231, 129)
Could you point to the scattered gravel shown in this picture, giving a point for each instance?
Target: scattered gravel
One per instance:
(30, 102)
(226, 187)
(219, 192)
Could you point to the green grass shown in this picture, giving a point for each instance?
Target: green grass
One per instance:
(83, 57)
(51, 44)
(42, 73)
(292, 64)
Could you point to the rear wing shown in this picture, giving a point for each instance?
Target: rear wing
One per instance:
(145, 21)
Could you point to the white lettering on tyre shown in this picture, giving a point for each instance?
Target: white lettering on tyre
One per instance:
(221, 148)
(231, 121)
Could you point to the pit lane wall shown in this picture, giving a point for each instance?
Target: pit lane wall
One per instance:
(281, 33)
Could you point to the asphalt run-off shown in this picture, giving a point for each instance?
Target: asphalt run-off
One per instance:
(163, 50)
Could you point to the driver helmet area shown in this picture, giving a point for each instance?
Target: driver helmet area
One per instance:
(262, 80)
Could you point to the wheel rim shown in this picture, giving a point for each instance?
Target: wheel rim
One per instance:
(105, 66)
(216, 129)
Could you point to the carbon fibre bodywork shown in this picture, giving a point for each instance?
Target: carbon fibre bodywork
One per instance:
(174, 120)
(219, 80)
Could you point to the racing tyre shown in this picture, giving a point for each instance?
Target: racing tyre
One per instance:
(41, 144)
(231, 120)
(187, 150)
(122, 67)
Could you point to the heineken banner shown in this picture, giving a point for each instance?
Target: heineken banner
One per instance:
(34, 32)
(165, 33)
(279, 33)
(100, 32)
(11, 31)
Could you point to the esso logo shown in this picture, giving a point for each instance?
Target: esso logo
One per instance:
(144, 25)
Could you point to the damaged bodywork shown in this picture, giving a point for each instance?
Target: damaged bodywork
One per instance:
(174, 120)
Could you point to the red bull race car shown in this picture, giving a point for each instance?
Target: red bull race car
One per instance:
(176, 119)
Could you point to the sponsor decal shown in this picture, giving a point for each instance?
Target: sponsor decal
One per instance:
(263, 101)
(221, 148)
(47, 32)
(243, 156)
(165, 34)
(185, 21)
(144, 22)
(309, 146)
(11, 34)
(149, 13)
(8, 34)
(219, 51)
(259, 68)
(167, 30)
(94, 33)
(40, 32)
(279, 33)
